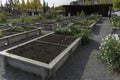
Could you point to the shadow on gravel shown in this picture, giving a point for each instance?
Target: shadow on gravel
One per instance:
(96, 29)
(74, 67)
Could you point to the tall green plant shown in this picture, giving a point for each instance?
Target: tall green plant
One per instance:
(82, 13)
(3, 17)
(1, 33)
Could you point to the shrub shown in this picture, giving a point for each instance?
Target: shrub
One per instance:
(39, 17)
(82, 13)
(110, 52)
(86, 36)
(26, 19)
(3, 17)
(63, 31)
(1, 33)
(115, 22)
(17, 28)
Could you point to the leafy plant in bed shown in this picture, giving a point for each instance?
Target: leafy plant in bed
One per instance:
(115, 22)
(16, 29)
(73, 31)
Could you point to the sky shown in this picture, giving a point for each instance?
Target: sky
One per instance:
(51, 2)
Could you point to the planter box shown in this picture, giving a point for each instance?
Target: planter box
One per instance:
(115, 30)
(87, 27)
(90, 26)
(48, 26)
(44, 69)
(18, 37)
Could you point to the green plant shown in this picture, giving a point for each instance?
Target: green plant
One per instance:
(63, 31)
(3, 17)
(1, 33)
(77, 32)
(26, 19)
(115, 22)
(110, 52)
(82, 13)
(86, 35)
(39, 17)
(17, 28)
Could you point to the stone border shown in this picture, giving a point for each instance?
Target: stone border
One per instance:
(19, 36)
(45, 70)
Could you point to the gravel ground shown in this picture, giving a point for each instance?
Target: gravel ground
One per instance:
(83, 65)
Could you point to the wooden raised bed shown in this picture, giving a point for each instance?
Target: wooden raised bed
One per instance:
(12, 37)
(41, 56)
(90, 26)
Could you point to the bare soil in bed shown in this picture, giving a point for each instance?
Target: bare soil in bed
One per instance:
(38, 51)
(58, 39)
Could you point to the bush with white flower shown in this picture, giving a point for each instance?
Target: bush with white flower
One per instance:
(110, 51)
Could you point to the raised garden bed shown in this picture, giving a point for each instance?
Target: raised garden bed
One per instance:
(44, 52)
(10, 32)
(48, 26)
(88, 24)
(40, 57)
(13, 36)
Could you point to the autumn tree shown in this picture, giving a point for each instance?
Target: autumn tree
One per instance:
(87, 2)
(23, 5)
(28, 5)
(116, 4)
(34, 4)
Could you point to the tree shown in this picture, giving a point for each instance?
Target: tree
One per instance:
(28, 6)
(102, 1)
(35, 4)
(10, 2)
(44, 7)
(39, 5)
(23, 5)
(16, 4)
(87, 2)
(116, 4)
(59, 8)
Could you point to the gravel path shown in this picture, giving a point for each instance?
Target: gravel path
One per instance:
(84, 65)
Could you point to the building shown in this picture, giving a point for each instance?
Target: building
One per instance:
(91, 2)
(101, 9)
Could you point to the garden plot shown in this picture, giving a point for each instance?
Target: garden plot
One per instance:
(83, 23)
(10, 36)
(4, 26)
(41, 57)
(115, 21)
(49, 25)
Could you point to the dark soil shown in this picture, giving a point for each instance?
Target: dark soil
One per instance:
(43, 52)
(58, 39)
